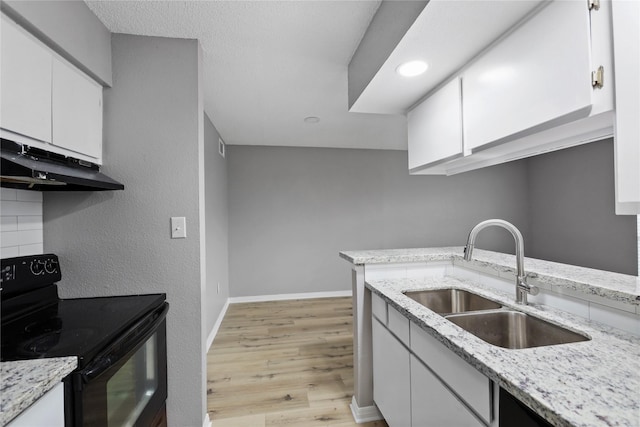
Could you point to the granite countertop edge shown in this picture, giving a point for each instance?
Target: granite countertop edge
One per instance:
(25, 381)
(568, 385)
(547, 274)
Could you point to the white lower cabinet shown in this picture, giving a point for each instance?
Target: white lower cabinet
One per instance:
(432, 404)
(47, 411)
(418, 382)
(473, 387)
(391, 377)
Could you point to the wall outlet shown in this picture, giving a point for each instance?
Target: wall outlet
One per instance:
(218, 287)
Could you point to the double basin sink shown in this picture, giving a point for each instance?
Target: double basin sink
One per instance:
(489, 321)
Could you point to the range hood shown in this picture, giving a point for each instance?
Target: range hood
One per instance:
(29, 168)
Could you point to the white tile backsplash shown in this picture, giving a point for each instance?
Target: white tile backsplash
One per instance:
(21, 231)
(8, 193)
(19, 208)
(8, 223)
(10, 252)
(35, 249)
(30, 222)
(563, 302)
(29, 196)
(618, 319)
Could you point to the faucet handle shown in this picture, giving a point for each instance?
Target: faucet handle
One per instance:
(525, 287)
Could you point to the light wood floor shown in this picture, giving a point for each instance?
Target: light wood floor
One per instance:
(283, 363)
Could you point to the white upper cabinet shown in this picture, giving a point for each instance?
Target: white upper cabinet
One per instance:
(537, 90)
(536, 77)
(626, 37)
(25, 83)
(77, 111)
(46, 102)
(529, 92)
(435, 127)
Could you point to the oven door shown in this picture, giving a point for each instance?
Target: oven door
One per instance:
(125, 385)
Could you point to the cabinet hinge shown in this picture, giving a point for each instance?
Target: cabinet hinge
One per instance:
(593, 4)
(597, 78)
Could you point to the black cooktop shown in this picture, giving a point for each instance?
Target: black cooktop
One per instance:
(73, 327)
(38, 324)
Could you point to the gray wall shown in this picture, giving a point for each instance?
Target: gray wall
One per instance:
(217, 227)
(118, 242)
(71, 29)
(572, 216)
(291, 210)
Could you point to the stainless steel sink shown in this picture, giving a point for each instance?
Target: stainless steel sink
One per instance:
(447, 301)
(514, 330)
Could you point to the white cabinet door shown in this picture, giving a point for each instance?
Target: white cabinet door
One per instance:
(391, 377)
(25, 84)
(435, 127)
(626, 45)
(432, 404)
(467, 382)
(48, 411)
(77, 111)
(537, 77)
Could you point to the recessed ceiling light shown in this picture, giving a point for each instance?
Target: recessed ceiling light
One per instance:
(412, 68)
(311, 119)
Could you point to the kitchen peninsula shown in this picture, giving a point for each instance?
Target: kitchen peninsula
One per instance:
(596, 382)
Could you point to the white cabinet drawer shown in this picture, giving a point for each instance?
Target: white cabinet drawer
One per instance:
(399, 325)
(379, 308)
(472, 386)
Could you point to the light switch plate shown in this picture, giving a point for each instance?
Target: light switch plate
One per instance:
(178, 227)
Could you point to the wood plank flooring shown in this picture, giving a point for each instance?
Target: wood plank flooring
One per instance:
(283, 363)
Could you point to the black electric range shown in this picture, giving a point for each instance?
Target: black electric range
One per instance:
(118, 338)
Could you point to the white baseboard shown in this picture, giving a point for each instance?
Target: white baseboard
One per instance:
(364, 414)
(283, 297)
(261, 298)
(214, 331)
(207, 420)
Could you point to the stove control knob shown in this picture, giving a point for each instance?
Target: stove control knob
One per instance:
(51, 266)
(37, 267)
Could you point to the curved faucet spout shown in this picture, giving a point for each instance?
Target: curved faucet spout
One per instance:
(522, 288)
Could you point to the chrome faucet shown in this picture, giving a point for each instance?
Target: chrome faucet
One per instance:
(522, 288)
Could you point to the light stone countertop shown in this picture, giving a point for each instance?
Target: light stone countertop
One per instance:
(545, 274)
(25, 381)
(591, 383)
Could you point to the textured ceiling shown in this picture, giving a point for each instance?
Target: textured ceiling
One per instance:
(269, 64)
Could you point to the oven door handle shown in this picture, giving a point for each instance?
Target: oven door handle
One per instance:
(126, 344)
